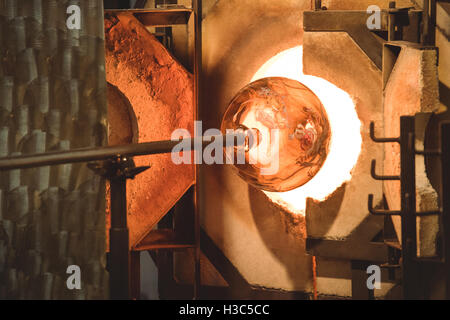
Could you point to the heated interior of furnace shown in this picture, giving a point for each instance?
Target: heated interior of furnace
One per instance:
(345, 125)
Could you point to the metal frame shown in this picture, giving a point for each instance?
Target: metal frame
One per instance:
(357, 246)
(158, 17)
(398, 23)
(445, 202)
(101, 153)
(412, 281)
(407, 24)
(198, 65)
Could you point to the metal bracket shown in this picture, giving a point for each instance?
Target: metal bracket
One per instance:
(435, 153)
(413, 289)
(396, 24)
(120, 166)
(380, 140)
(377, 212)
(378, 177)
(380, 212)
(117, 170)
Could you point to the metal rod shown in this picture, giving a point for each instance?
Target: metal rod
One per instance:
(426, 21)
(391, 22)
(445, 195)
(135, 272)
(380, 140)
(412, 287)
(103, 153)
(428, 213)
(317, 4)
(119, 241)
(434, 153)
(389, 266)
(198, 64)
(378, 177)
(377, 212)
(432, 24)
(380, 212)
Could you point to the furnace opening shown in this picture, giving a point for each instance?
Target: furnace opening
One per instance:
(346, 140)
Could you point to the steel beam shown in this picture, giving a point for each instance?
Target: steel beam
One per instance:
(411, 279)
(119, 269)
(158, 17)
(445, 194)
(198, 65)
(355, 24)
(105, 153)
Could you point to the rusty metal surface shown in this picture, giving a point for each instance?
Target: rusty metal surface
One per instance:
(161, 93)
(157, 17)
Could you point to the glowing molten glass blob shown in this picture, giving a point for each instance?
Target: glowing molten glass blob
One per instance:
(291, 133)
(345, 125)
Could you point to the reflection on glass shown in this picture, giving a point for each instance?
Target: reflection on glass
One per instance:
(290, 132)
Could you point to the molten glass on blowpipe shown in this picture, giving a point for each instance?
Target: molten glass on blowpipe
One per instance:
(288, 130)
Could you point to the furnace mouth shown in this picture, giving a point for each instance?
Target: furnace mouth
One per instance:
(345, 125)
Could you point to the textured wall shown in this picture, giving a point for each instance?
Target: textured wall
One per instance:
(160, 91)
(52, 97)
(412, 88)
(265, 243)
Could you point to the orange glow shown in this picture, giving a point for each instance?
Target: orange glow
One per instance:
(292, 129)
(346, 140)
